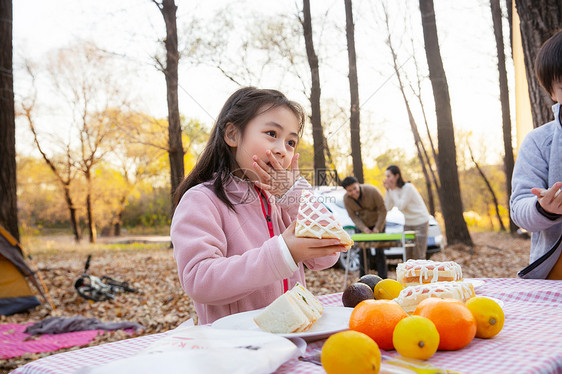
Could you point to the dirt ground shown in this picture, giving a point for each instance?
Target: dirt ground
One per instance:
(162, 305)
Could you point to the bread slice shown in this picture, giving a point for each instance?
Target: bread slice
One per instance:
(294, 311)
(314, 220)
(312, 307)
(283, 315)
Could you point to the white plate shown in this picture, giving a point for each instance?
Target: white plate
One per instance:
(475, 282)
(300, 343)
(333, 319)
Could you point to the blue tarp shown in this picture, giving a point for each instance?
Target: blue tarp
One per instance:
(11, 305)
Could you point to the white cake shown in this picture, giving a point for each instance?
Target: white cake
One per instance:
(410, 297)
(294, 311)
(416, 272)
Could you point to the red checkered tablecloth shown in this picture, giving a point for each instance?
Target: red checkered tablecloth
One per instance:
(530, 342)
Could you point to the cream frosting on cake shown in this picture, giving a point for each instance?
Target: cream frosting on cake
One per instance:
(414, 272)
(314, 220)
(410, 297)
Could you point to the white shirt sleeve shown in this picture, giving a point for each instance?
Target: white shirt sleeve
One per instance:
(287, 254)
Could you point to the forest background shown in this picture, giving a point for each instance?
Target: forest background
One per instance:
(90, 98)
(94, 87)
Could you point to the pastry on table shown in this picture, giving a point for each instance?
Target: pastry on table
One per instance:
(415, 272)
(410, 297)
(314, 220)
(294, 311)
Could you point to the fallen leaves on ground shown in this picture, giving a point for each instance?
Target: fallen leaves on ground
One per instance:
(162, 305)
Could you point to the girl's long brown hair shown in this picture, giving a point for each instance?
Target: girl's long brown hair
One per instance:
(217, 160)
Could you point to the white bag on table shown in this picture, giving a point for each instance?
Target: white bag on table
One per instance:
(206, 350)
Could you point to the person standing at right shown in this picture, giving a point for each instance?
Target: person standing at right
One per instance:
(405, 197)
(536, 201)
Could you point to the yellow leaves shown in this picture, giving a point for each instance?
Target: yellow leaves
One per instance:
(375, 176)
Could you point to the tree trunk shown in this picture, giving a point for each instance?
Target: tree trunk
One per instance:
(504, 99)
(168, 9)
(354, 119)
(509, 8)
(455, 225)
(89, 209)
(119, 216)
(8, 182)
(539, 21)
(332, 178)
(315, 117)
(489, 186)
(72, 211)
(428, 159)
(65, 182)
(413, 125)
(117, 225)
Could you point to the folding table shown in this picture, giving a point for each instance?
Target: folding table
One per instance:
(380, 241)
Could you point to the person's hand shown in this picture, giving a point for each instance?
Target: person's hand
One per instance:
(551, 199)
(375, 230)
(385, 184)
(275, 179)
(306, 248)
(368, 231)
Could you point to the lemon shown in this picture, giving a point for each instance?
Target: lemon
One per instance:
(488, 314)
(350, 352)
(387, 289)
(416, 337)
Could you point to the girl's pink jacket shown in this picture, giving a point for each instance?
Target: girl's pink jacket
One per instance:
(227, 262)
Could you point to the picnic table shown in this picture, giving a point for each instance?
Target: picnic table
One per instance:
(530, 342)
(380, 242)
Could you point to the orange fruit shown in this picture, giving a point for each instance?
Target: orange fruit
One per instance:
(454, 321)
(350, 352)
(377, 319)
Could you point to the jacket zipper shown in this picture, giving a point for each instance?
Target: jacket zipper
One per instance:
(269, 225)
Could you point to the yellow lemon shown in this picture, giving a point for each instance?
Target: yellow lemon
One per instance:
(488, 314)
(387, 289)
(416, 337)
(350, 352)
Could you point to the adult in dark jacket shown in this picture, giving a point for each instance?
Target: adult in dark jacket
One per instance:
(365, 206)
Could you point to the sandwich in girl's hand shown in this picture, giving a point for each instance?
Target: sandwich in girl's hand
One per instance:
(314, 220)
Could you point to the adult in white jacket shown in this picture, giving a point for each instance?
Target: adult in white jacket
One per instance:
(408, 200)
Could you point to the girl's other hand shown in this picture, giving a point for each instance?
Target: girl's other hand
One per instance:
(273, 177)
(306, 248)
(551, 199)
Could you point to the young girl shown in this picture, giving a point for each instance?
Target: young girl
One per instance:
(408, 200)
(233, 226)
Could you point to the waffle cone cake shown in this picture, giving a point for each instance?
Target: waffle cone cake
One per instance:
(314, 220)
